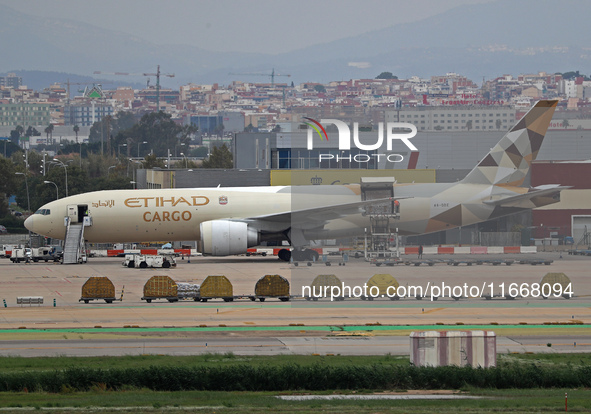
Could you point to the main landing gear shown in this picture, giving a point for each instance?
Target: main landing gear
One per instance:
(298, 255)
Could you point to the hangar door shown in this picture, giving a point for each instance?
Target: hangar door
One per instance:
(581, 225)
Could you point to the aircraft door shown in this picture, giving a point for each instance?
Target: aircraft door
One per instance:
(73, 213)
(77, 212)
(82, 212)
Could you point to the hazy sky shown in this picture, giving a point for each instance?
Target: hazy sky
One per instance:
(270, 26)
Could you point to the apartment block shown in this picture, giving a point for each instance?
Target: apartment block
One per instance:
(25, 114)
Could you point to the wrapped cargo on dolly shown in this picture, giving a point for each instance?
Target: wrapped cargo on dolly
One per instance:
(97, 288)
(382, 285)
(321, 287)
(188, 291)
(271, 286)
(160, 287)
(163, 287)
(216, 287)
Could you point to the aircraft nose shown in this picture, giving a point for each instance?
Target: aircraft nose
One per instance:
(29, 224)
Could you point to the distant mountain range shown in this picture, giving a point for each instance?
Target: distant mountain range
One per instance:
(479, 41)
(40, 79)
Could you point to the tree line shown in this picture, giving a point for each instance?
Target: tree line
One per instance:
(117, 146)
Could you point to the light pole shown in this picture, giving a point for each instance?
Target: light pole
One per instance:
(185, 157)
(57, 194)
(109, 169)
(27, 187)
(65, 170)
(176, 146)
(138, 147)
(133, 184)
(119, 148)
(134, 168)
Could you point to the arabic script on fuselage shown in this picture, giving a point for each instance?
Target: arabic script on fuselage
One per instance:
(107, 203)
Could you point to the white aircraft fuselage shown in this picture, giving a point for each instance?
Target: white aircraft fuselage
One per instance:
(218, 216)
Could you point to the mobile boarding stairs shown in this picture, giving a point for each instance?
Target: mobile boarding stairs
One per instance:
(74, 246)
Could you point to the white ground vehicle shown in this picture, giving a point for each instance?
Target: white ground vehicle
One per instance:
(7, 249)
(144, 262)
(129, 260)
(21, 255)
(45, 253)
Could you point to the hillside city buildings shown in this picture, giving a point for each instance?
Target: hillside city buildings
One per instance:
(448, 102)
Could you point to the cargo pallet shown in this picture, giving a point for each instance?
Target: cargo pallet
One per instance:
(216, 286)
(226, 299)
(262, 298)
(247, 297)
(579, 252)
(171, 299)
(164, 287)
(393, 262)
(494, 262)
(271, 286)
(86, 300)
(534, 262)
(98, 288)
(467, 262)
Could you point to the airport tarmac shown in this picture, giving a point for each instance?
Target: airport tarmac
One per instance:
(60, 286)
(274, 344)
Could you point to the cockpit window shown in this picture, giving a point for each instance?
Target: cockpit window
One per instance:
(43, 211)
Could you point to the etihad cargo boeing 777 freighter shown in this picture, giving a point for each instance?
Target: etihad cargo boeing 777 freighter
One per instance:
(229, 220)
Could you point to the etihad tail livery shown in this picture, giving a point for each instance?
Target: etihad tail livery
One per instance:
(229, 220)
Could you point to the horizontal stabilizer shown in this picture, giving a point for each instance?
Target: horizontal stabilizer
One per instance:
(536, 197)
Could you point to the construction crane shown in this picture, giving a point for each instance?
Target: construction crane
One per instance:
(271, 75)
(157, 74)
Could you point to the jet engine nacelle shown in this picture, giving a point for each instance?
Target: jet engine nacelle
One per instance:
(225, 237)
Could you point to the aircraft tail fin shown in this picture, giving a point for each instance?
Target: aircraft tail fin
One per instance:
(509, 161)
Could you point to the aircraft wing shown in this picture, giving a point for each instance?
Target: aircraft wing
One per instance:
(536, 197)
(318, 216)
